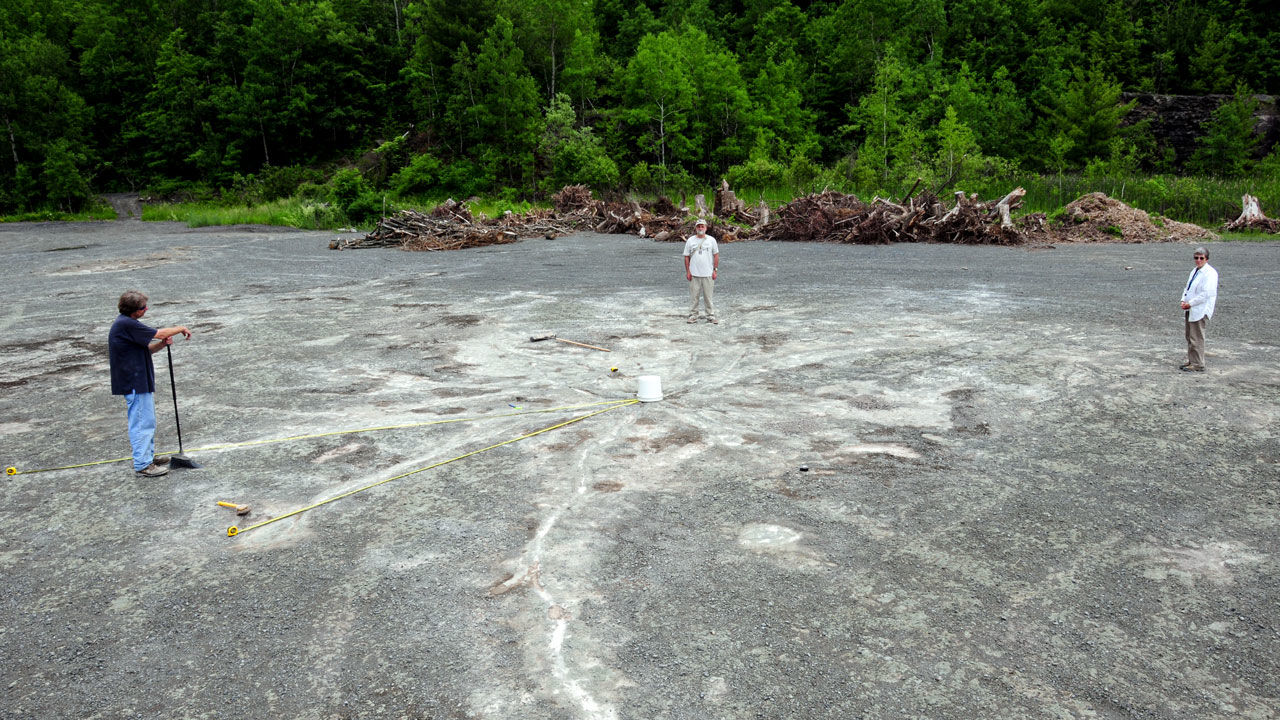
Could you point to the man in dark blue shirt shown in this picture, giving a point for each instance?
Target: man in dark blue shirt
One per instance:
(130, 345)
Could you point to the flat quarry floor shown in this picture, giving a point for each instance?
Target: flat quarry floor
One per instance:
(910, 481)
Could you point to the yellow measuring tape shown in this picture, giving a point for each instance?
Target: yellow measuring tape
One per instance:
(12, 470)
(233, 530)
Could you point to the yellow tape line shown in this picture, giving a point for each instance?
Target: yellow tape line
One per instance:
(12, 470)
(233, 530)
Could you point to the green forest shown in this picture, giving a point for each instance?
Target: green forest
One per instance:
(359, 101)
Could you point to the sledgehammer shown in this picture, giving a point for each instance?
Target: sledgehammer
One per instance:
(240, 509)
(571, 342)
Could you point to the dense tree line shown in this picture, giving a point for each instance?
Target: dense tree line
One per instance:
(525, 95)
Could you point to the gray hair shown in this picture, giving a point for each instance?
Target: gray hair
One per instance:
(1201, 251)
(131, 302)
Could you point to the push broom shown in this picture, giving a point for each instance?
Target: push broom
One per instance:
(180, 460)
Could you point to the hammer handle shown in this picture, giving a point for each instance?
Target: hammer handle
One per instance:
(593, 347)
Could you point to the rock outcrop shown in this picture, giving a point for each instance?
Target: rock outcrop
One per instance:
(1177, 120)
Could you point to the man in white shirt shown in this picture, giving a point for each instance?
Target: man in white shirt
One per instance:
(701, 267)
(1198, 299)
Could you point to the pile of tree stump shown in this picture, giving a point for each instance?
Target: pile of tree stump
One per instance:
(822, 217)
(835, 217)
(450, 229)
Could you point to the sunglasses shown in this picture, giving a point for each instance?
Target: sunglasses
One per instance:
(1199, 257)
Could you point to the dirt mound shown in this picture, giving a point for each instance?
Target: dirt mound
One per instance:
(1097, 217)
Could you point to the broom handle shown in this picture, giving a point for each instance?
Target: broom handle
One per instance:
(174, 387)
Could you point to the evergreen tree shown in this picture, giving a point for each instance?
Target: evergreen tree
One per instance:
(176, 116)
(1213, 62)
(496, 106)
(657, 98)
(959, 155)
(437, 30)
(892, 143)
(1227, 147)
(42, 118)
(585, 71)
(546, 31)
(573, 154)
(722, 122)
(1089, 113)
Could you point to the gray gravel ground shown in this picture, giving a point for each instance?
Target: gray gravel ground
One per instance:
(1015, 505)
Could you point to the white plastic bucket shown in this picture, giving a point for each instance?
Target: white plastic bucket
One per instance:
(650, 389)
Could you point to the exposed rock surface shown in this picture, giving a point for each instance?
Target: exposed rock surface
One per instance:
(1177, 120)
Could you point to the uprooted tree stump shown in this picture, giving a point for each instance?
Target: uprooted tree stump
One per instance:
(835, 217)
(762, 214)
(731, 207)
(700, 205)
(1251, 217)
(727, 204)
(1006, 205)
(822, 217)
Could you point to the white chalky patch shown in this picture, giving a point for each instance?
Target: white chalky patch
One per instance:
(337, 452)
(13, 428)
(896, 450)
(1215, 562)
(768, 536)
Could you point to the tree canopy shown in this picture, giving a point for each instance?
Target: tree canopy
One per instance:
(100, 95)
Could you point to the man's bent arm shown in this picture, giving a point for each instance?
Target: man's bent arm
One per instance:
(163, 337)
(169, 332)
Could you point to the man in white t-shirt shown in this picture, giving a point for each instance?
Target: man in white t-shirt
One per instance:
(701, 266)
(1198, 299)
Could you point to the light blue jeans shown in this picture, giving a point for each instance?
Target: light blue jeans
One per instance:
(142, 427)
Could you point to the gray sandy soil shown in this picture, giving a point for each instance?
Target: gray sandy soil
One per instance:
(1015, 505)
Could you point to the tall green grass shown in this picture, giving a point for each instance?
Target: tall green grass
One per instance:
(289, 212)
(306, 214)
(489, 207)
(1204, 201)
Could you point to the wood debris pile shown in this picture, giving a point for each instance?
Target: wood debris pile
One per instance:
(452, 210)
(439, 230)
(828, 216)
(1251, 217)
(661, 219)
(835, 217)
(450, 225)
(572, 199)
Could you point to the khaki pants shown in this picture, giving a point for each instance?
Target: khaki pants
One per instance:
(1195, 341)
(705, 287)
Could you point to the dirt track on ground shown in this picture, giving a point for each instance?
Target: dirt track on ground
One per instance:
(1015, 506)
